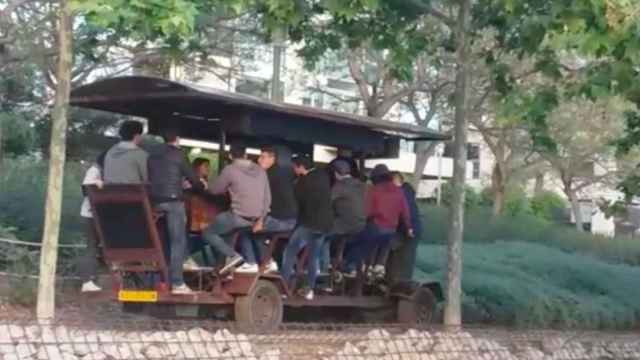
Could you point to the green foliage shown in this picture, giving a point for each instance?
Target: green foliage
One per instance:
(143, 20)
(486, 196)
(471, 197)
(395, 27)
(481, 227)
(85, 135)
(516, 203)
(23, 183)
(17, 135)
(547, 205)
(533, 285)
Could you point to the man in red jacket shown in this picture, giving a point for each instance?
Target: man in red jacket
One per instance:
(386, 207)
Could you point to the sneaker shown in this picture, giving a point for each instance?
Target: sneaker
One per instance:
(272, 267)
(90, 286)
(181, 290)
(379, 271)
(190, 264)
(308, 295)
(232, 263)
(248, 268)
(350, 274)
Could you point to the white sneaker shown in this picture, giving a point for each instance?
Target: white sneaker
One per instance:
(308, 295)
(232, 263)
(350, 274)
(90, 286)
(272, 267)
(379, 271)
(181, 290)
(190, 264)
(248, 268)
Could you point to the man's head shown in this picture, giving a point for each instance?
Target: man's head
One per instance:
(131, 130)
(238, 152)
(170, 136)
(342, 169)
(267, 157)
(301, 165)
(201, 167)
(397, 177)
(380, 174)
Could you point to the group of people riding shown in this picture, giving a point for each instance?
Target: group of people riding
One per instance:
(319, 206)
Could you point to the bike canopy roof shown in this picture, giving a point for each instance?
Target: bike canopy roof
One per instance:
(208, 114)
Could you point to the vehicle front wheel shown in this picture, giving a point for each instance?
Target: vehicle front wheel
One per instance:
(417, 309)
(261, 310)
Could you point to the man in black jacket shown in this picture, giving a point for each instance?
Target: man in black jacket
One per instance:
(315, 219)
(168, 167)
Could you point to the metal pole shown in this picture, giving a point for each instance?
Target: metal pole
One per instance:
(222, 151)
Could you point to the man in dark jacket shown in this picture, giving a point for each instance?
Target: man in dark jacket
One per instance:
(402, 259)
(284, 209)
(386, 208)
(168, 167)
(315, 219)
(347, 200)
(344, 155)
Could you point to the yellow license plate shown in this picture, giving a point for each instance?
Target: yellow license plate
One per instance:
(138, 296)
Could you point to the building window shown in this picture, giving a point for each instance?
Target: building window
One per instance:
(473, 151)
(306, 101)
(407, 146)
(475, 174)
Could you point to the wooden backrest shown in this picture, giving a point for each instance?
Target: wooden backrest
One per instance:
(125, 225)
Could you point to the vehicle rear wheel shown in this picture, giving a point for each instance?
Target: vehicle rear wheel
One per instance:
(261, 310)
(418, 308)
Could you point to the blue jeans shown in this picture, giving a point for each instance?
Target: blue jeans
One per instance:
(249, 248)
(300, 238)
(365, 242)
(223, 224)
(325, 253)
(176, 218)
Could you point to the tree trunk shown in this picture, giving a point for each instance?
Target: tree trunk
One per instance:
(277, 93)
(575, 208)
(57, 148)
(453, 307)
(539, 185)
(1, 145)
(424, 151)
(499, 187)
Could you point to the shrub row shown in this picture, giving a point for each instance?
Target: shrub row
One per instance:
(481, 227)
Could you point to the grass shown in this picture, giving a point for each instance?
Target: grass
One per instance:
(532, 285)
(481, 228)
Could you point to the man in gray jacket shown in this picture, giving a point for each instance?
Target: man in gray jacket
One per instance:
(126, 162)
(248, 186)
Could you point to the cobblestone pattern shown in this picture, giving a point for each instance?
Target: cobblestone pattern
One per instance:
(149, 339)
